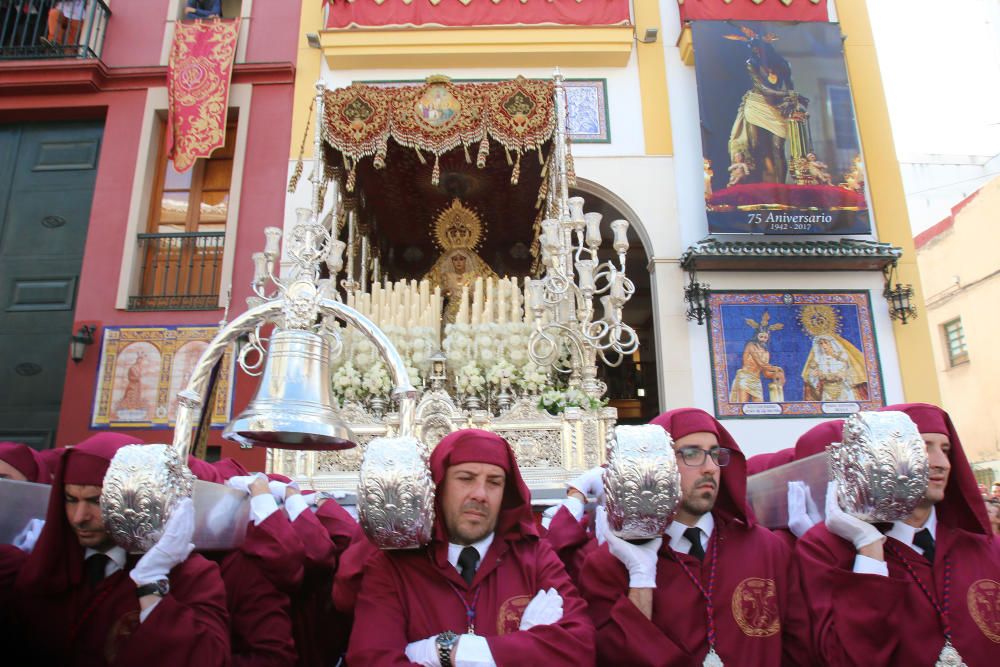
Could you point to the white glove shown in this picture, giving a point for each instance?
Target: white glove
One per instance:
(172, 549)
(572, 504)
(25, 540)
(639, 559)
(424, 652)
(802, 511)
(278, 489)
(544, 609)
(590, 483)
(243, 482)
(839, 522)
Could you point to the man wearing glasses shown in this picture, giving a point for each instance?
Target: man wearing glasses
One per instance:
(717, 588)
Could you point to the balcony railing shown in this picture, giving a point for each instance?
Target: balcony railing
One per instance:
(38, 29)
(180, 271)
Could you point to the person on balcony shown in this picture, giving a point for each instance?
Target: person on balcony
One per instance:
(203, 9)
(65, 21)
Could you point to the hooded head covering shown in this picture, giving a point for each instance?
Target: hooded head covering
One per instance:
(816, 439)
(781, 457)
(57, 560)
(204, 470)
(475, 446)
(732, 500)
(963, 505)
(26, 460)
(759, 463)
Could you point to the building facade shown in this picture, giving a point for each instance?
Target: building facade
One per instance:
(961, 279)
(99, 229)
(646, 162)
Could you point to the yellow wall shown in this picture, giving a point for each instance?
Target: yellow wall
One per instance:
(961, 278)
(913, 342)
(382, 49)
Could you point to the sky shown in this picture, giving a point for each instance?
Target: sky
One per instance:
(940, 67)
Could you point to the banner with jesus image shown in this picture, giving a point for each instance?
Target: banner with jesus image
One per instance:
(781, 149)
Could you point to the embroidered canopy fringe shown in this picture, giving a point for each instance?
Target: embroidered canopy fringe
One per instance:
(438, 116)
(198, 76)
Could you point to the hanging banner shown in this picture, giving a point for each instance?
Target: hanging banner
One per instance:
(781, 148)
(198, 75)
(473, 13)
(754, 10)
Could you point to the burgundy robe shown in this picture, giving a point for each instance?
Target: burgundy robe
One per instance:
(407, 596)
(876, 620)
(60, 620)
(759, 611)
(278, 549)
(571, 541)
(259, 621)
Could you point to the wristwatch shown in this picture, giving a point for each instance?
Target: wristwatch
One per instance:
(159, 587)
(445, 642)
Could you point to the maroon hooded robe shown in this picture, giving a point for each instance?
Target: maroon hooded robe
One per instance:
(27, 461)
(571, 540)
(260, 626)
(760, 615)
(63, 621)
(876, 620)
(407, 596)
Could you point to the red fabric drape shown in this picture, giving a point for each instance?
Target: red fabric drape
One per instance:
(750, 10)
(198, 75)
(384, 13)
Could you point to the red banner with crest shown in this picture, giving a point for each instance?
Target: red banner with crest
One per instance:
(754, 10)
(198, 76)
(398, 13)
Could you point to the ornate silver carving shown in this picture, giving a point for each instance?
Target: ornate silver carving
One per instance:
(396, 494)
(141, 487)
(641, 483)
(535, 448)
(880, 467)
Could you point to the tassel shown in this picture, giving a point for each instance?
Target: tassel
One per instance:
(436, 173)
(421, 156)
(506, 153)
(379, 160)
(516, 174)
(570, 170)
(484, 150)
(293, 182)
(468, 158)
(352, 177)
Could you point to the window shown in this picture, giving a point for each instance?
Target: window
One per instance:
(184, 241)
(958, 351)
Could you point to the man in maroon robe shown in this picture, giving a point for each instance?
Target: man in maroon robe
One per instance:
(897, 597)
(20, 462)
(81, 600)
(486, 591)
(568, 529)
(716, 587)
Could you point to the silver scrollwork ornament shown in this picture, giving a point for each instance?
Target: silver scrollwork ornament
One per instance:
(880, 467)
(641, 482)
(949, 657)
(712, 659)
(396, 493)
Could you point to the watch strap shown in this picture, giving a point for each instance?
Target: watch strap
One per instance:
(159, 587)
(445, 641)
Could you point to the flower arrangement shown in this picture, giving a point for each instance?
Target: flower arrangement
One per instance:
(347, 384)
(376, 379)
(499, 371)
(469, 379)
(555, 401)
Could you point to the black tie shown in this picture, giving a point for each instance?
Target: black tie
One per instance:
(467, 561)
(925, 541)
(94, 568)
(693, 536)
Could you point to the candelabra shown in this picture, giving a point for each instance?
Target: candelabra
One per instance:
(562, 300)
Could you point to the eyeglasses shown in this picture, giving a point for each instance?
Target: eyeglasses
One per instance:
(695, 456)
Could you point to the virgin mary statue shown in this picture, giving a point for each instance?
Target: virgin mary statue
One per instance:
(457, 231)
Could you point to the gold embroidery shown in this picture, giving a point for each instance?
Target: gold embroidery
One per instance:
(509, 616)
(755, 607)
(983, 600)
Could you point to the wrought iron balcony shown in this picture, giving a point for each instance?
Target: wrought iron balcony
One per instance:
(42, 29)
(180, 271)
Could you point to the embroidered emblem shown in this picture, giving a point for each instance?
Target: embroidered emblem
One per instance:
(755, 607)
(509, 616)
(984, 607)
(119, 634)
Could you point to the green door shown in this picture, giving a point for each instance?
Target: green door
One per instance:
(47, 174)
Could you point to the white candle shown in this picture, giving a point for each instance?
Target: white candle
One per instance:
(593, 229)
(502, 312)
(272, 239)
(259, 268)
(477, 300)
(620, 228)
(515, 302)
